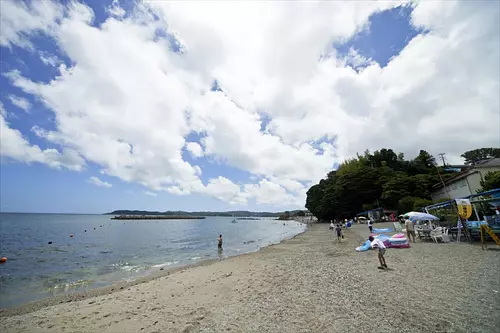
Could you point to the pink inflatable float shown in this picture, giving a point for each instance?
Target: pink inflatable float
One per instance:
(398, 241)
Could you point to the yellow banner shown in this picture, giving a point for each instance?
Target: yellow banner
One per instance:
(464, 208)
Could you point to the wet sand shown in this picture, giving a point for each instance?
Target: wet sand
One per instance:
(310, 283)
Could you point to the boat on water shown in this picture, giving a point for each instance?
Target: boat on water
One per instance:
(234, 221)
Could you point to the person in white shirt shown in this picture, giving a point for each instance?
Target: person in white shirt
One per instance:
(377, 243)
(410, 230)
(370, 225)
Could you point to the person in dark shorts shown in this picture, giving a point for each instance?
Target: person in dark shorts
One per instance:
(370, 225)
(219, 246)
(338, 230)
(378, 244)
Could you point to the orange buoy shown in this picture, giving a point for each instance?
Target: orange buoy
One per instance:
(3, 260)
(71, 235)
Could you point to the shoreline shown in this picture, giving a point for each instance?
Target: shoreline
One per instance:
(38, 304)
(310, 283)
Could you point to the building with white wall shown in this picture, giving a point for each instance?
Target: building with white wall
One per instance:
(465, 183)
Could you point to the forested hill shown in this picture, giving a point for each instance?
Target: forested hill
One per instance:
(382, 179)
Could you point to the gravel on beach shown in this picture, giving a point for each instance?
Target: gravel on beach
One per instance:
(311, 283)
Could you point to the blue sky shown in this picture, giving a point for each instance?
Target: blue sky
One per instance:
(31, 185)
(35, 187)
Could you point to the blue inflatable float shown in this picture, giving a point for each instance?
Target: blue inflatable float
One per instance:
(382, 230)
(366, 245)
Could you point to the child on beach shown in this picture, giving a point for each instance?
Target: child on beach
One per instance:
(377, 243)
(338, 229)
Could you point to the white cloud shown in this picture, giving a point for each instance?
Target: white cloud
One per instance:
(225, 190)
(195, 149)
(16, 147)
(116, 10)
(152, 194)
(97, 182)
(20, 21)
(49, 59)
(127, 103)
(20, 102)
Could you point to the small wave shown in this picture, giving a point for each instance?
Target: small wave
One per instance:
(72, 285)
(168, 263)
(194, 258)
(249, 242)
(125, 266)
(105, 252)
(131, 268)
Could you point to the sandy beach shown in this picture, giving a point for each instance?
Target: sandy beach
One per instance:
(310, 283)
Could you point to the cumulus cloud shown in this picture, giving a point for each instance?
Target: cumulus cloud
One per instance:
(20, 102)
(20, 21)
(195, 149)
(97, 182)
(15, 146)
(285, 112)
(49, 59)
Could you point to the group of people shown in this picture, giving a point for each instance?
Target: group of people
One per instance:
(338, 230)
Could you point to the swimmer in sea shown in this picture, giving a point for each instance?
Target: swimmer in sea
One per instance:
(219, 246)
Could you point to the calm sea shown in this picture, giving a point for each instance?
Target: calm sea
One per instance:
(112, 250)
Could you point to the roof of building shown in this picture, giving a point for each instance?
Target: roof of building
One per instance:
(454, 178)
(492, 162)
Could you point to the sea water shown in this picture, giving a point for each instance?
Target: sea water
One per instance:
(111, 251)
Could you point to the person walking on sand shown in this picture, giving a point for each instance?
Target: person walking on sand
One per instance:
(219, 246)
(332, 225)
(410, 230)
(370, 225)
(338, 229)
(377, 243)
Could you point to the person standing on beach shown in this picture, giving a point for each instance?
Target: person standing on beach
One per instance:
(332, 225)
(377, 243)
(219, 246)
(338, 229)
(410, 230)
(370, 225)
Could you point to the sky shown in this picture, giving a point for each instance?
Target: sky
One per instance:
(231, 105)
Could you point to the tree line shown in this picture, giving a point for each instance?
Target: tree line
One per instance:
(385, 179)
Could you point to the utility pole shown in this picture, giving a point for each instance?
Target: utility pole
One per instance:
(442, 158)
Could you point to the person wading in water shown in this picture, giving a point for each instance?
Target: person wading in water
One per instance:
(219, 246)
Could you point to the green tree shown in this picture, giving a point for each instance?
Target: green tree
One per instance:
(490, 181)
(399, 185)
(473, 156)
(425, 159)
(423, 185)
(406, 204)
(382, 178)
(420, 203)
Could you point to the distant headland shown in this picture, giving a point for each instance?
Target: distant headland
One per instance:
(237, 213)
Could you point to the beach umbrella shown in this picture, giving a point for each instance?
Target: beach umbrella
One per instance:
(418, 216)
(361, 218)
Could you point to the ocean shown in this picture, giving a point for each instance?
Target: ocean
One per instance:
(104, 251)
